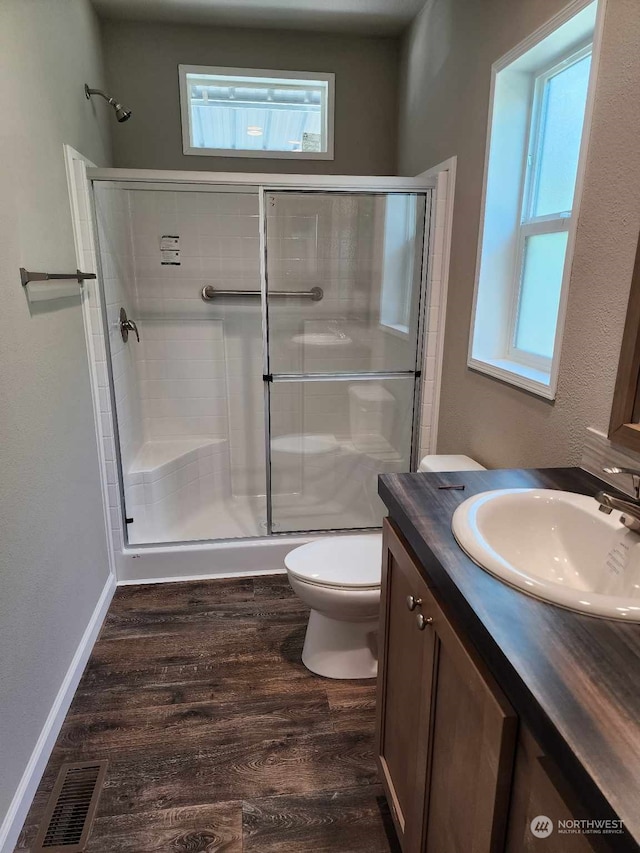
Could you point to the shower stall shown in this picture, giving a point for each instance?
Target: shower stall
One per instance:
(264, 350)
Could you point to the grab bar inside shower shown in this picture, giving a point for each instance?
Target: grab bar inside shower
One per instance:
(315, 294)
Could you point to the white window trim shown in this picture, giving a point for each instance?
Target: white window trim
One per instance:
(532, 225)
(542, 77)
(535, 376)
(542, 225)
(190, 150)
(397, 329)
(401, 327)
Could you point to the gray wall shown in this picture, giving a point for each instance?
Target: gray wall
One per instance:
(142, 69)
(445, 82)
(53, 555)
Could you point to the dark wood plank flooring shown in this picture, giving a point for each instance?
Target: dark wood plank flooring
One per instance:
(218, 738)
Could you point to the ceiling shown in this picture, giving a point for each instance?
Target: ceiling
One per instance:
(370, 17)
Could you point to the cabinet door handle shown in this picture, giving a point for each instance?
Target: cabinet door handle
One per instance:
(423, 621)
(413, 602)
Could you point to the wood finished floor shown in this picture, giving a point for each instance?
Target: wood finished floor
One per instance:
(218, 738)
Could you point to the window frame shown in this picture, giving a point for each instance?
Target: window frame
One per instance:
(531, 225)
(210, 70)
(400, 326)
(624, 428)
(493, 317)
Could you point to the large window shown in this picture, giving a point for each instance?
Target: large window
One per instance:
(232, 112)
(559, 102)
(537, 132)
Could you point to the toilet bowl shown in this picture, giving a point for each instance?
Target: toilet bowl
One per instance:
(339, 579)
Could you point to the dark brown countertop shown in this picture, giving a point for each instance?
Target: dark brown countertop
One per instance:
(573, 679)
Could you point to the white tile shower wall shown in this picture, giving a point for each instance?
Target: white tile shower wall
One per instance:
(245, 390)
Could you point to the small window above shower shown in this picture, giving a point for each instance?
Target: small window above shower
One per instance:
(240, 112)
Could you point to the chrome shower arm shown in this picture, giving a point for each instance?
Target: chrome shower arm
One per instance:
(122, 113)
(88, 92)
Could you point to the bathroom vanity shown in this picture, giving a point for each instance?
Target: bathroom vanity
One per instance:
(495, 708)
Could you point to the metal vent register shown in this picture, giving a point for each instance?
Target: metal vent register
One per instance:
(71, 809)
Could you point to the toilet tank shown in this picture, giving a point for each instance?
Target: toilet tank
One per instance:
(370, 412)
(443, 463)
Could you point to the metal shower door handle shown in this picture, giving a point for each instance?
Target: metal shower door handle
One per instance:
(126, 326)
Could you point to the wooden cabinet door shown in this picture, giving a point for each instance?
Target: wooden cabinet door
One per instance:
(535, 793)
(445, 733)
(473, 737)
(404, 690)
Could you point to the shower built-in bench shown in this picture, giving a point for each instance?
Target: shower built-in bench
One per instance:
(170, 483)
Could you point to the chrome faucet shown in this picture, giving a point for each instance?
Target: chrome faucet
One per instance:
(630, 508)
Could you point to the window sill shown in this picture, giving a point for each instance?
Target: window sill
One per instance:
(259, 154)
(537, 382)
(396, 329)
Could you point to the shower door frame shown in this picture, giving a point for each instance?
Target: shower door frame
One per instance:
(264, 183)
(269, 378)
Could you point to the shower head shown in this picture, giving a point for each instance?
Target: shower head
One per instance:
(122, 113)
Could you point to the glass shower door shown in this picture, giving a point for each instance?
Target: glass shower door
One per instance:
(344, 303)
(187, 395)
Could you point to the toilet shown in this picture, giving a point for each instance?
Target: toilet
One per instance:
(339, 579)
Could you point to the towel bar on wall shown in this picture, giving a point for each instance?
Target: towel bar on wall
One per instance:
(26, 276)
(315, 294)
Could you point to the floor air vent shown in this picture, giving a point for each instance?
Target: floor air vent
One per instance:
(71, 808)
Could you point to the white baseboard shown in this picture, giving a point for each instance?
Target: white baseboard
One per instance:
(15, 817)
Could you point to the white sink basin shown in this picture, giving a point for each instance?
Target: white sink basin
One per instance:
(556, 546)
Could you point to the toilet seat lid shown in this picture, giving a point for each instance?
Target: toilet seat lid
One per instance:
(339, 561)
